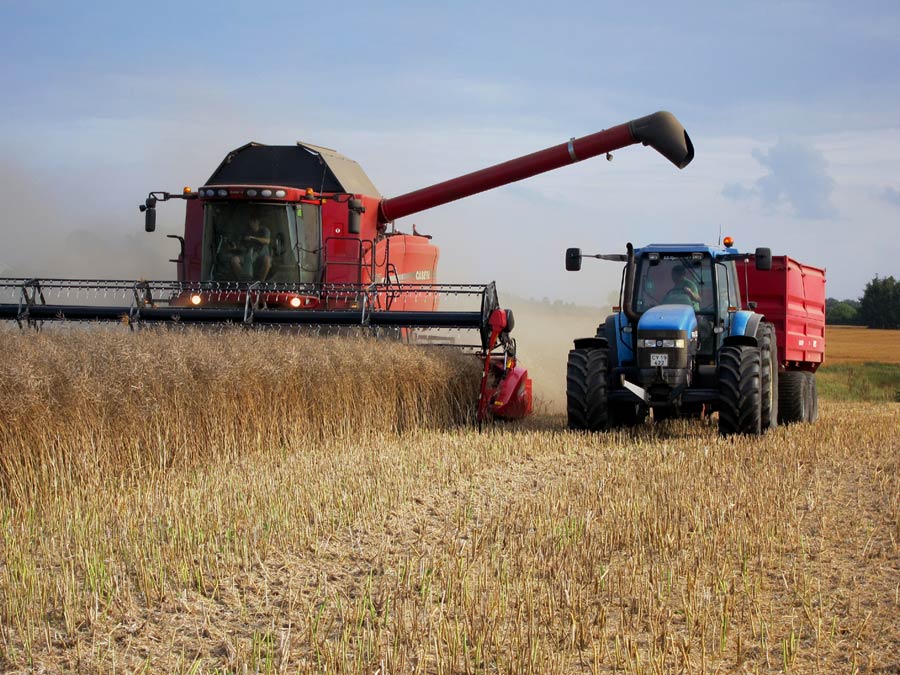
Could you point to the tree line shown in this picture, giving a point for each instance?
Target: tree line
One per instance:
(879, 306)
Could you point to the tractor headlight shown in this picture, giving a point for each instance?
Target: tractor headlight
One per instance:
(661, 343)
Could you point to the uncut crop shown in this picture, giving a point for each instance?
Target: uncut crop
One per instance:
(393, 539)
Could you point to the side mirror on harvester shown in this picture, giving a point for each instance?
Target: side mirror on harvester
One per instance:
(573, 259)
(149, 209)
(764, 259)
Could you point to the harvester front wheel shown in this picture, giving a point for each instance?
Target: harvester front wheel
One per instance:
(768, 352)
(586, 402)
(740, 389)
(793, 402)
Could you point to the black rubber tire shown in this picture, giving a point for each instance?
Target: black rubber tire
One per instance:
(586, 379)
(740, 408)
(812, 397)
(792, 397)
(768, 352)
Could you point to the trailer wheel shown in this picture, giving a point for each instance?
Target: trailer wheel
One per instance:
(812, 397)
(768, 350)
(792, 397)
(586, 402)
(740, 405)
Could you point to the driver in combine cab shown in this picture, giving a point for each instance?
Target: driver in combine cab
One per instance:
(253, 254)
(684, 291)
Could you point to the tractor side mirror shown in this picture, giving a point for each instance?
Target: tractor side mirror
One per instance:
(353, 218)
(573, 259)
(149, 209)
(764, 259)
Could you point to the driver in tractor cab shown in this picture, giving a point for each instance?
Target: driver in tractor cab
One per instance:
(684, 291)
(252, 256)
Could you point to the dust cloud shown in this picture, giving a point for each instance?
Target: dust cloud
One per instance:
(544, 332)
(45, 235)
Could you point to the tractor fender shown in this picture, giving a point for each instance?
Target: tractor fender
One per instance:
(744, 327)
(591, 343)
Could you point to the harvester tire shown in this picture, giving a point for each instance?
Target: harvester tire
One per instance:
(768, 352)
(812, 397)
(586, 402)
(792, 397)
(740, 405)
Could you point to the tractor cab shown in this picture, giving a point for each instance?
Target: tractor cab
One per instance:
(699, 281)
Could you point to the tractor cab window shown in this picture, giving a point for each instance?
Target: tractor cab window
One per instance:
(252, 241)
(674, 280)
(729, 292)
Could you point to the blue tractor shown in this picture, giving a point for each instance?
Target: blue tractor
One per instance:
(681, 344)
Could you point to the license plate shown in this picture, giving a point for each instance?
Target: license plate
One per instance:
(659, 359)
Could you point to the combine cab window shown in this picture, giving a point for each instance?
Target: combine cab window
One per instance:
(248, 241)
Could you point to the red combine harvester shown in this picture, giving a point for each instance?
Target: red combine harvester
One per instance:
(298, 235)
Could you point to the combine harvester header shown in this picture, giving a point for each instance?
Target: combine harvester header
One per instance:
(298, 235)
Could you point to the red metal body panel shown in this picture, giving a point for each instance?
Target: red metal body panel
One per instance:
(190, 268)
(508, 172)
(792, 297)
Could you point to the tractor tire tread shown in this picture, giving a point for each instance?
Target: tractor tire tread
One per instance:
(586, 380)
(740, 407)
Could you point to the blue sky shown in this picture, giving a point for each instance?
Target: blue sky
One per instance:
(794, 109)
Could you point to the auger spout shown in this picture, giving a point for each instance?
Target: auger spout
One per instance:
(662, 131)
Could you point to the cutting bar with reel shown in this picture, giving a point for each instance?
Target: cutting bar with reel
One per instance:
(385, 309)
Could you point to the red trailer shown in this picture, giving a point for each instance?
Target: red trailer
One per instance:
(791, 296)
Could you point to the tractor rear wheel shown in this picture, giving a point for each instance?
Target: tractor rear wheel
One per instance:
(586, 402)
(793, 401)
(812, 397)
(740, 405)
(768, 350)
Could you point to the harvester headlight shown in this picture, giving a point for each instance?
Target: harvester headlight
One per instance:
(266, 193)
(295, 302)
(222, 193)
(280, 193)
(251, 193)
(196, 299)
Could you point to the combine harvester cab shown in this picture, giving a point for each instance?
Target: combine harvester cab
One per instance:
(298, 235)
(702, 329)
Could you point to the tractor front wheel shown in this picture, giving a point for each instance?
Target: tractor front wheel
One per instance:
(740, 389)
(586, 402)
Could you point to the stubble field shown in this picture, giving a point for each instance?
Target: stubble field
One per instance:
(230, 503)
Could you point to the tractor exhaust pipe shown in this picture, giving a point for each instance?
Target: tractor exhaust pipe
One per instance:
(661, 131)
(628, 292)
